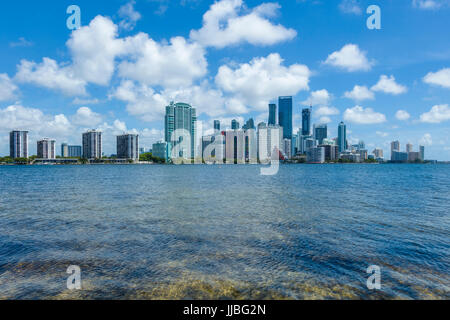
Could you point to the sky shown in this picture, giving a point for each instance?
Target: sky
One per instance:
(229, 59)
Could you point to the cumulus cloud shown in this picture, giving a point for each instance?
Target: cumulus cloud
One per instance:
(430, 4)
(319, 97)
(129, 16)
(389, 85)
(86, 117)
(325, 111)
(402, 115)
(426, 140)
(359, 115)
(437, 114)
(350, 6)
(350, 58)
(258, 82)
(7, 88)
(227, 22)
(49, 74)
(360, 93)
(440, 78)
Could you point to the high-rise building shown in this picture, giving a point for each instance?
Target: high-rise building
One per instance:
(395, 147)
(378, 153)
(162, 150)
(315, 155)
(331, 152)
(18, 144)
(409, 147)
(92, 145)
(128, 147)
(272, 114)
(287, 148)
(64, 150)
(75, 151)
(241, 146)
(46, 149)
(320, 132)
(217, 125)
(181, 121)
(270, 140)
(422, 153)
(250, 124)
(285, 116)
(342, 137)
(235, 125)
(398, 156)
(306, 121)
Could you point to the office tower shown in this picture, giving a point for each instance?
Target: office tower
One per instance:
(235, 125)
(250, 124)
(320, 132)
(409, 147)
(46, 149)
(285, 116)
(272, 114)
(287, 148)
(316, 155)
(64, 150)
(413, 156)
(181, 125)
(75, 151)
(217, 125)
(422, 153)
(18, 144)
(378, 153)
(162, 150)
(331, 152)
(306, 121)
(128, 147)
(342, 137)
(92, 144)
(395, 147)
(308, 143)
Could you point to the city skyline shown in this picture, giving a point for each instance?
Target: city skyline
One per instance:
(338, 66)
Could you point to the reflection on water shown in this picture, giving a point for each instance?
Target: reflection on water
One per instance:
(209, 232)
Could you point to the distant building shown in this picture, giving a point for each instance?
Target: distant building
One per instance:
(320, 132)
(306, 121)
(92, 145)
(75, 151)
(128, 147)
(378, 153)
(331, 152)
(217, 125)
(315, 155)
(64, 150)
(285, 116)
(46, 149)
(414, 156)
(398, 156)
(409, 147)
(352, 157)
(364, 154)
(18, 144)
(287, 148)
(342, 137)
(422, 153)
(162, 150)
(181, 119)
(272, 114)
(241, 146)
(270, 140)
(250, 124)
(395, 147)
(235, 125)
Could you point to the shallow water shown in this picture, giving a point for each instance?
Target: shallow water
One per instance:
(210, 232)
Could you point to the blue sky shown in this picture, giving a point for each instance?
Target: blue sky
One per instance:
(228, 59)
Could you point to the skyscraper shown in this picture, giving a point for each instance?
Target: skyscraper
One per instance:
(64, 150)
(181, 118)
(320, 132)
(128, 147)
(235, 125)
(409, 147)
(217, 125)
(92, 145)
(342, 137)
(422, 153)
(395, 147)
(75, 151)
(18, 144)
(272, 114)
(306, 121)
(285, 116)
(250, 124)
(46, 149)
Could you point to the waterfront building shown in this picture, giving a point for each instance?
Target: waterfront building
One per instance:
(162, 150)
(75, 151)
(217, 125)
(331, 152)
(235, 125)
(398, 156)
(306, 121)
(285, 116)
(320, 132)
(241, 146)
(272, 114)
(92, 145)
(414, 156)
(287, 148)
(18, 144)
(422, 153)
(342, 137)
(409, 147)
(378, 153)
(294, 145)
(364, 154)
(46, 149)
(64, 150)
(181, 129)
(315, 155)
(213, 148)
(395, 147)
(349, 156)
(128, 147)
(269, 140)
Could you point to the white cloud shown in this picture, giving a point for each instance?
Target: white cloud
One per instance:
(86, 117)
(402, 115)
(349, 58)
(360, 115)
(325, 111)
(437, 114)
(382, 134)
(360, 93)
(350, 6)
(129, 16)
(388, 85)
(440, 78)
(49, 74)
(21, 42)
(426, 140)
(175, 64)
(227, 23)
(261, 80)
(7, 88)
(430, 4)
(319, 97)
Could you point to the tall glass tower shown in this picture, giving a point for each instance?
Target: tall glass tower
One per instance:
(272, 114)
(342, 137)
(306, 121)
(235, 125)
(320, 132)
(181, 116)
(285, 116)
(18, 144)
(217, 125)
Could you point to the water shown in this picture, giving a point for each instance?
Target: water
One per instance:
(225, 232)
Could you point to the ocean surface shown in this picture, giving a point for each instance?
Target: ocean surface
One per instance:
(225, 232)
